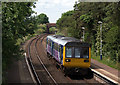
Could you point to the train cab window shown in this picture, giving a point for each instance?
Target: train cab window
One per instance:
(85, 52)
(77, 52)
(69, 52)
(59, 48)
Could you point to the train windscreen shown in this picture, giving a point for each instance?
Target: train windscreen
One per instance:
(85, 52)
(69, 52)
(81, 52)
(77, 52)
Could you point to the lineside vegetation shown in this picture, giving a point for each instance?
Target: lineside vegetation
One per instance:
(87, 14)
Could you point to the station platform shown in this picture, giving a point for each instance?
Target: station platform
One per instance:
(109, 72)
(18, 73)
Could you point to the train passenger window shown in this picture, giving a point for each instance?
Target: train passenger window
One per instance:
(68, 52)
(56, 46)
(85, 52)
(49, 43)
(77, 52)
(59, 49)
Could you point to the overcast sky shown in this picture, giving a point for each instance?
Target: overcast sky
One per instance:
(54, 8)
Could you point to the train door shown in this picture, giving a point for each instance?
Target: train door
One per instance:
(52, 45)
(49, 47)
(61, 54)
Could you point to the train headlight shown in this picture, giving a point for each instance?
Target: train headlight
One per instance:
(67, 60)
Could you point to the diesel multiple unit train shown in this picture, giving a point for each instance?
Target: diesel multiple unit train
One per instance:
(70, 54)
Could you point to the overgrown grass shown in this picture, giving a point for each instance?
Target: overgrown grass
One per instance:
(107, 61)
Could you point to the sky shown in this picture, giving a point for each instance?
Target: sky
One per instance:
(53, 8)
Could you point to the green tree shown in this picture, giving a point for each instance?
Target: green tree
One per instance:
(87, 15)
(16, 23)
(42, 18)
(66, 23)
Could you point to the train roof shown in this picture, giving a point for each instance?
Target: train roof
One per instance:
(65, 40)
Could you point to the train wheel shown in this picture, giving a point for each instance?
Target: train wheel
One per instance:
(48, 55)
(89, 74)
(57, 66)
(64, 70)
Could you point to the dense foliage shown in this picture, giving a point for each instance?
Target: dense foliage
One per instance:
(16, 23)
(65, 22)
(41, 29)
(87, 15)
(42, 18)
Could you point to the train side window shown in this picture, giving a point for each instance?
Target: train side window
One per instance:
(56, 46)
(59, 49)
(50, 43)
(85, 52)
(69, 52)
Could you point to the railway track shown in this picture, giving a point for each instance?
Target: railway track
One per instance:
(37, 73)
(42, 62)
(31, 66)
(53, 63)
(42, 73)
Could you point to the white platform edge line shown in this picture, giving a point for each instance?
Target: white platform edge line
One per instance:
(105, 76)
(29, 69)
(110, 74)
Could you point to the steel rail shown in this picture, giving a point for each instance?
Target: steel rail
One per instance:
(101, 76)
(31, 65)
(29, 68)
(96, 73)
(42, 61)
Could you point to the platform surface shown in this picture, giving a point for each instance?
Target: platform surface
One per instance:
(106, 70)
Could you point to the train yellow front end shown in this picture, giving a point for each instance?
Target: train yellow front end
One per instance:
(70, 54)
(73, 62)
